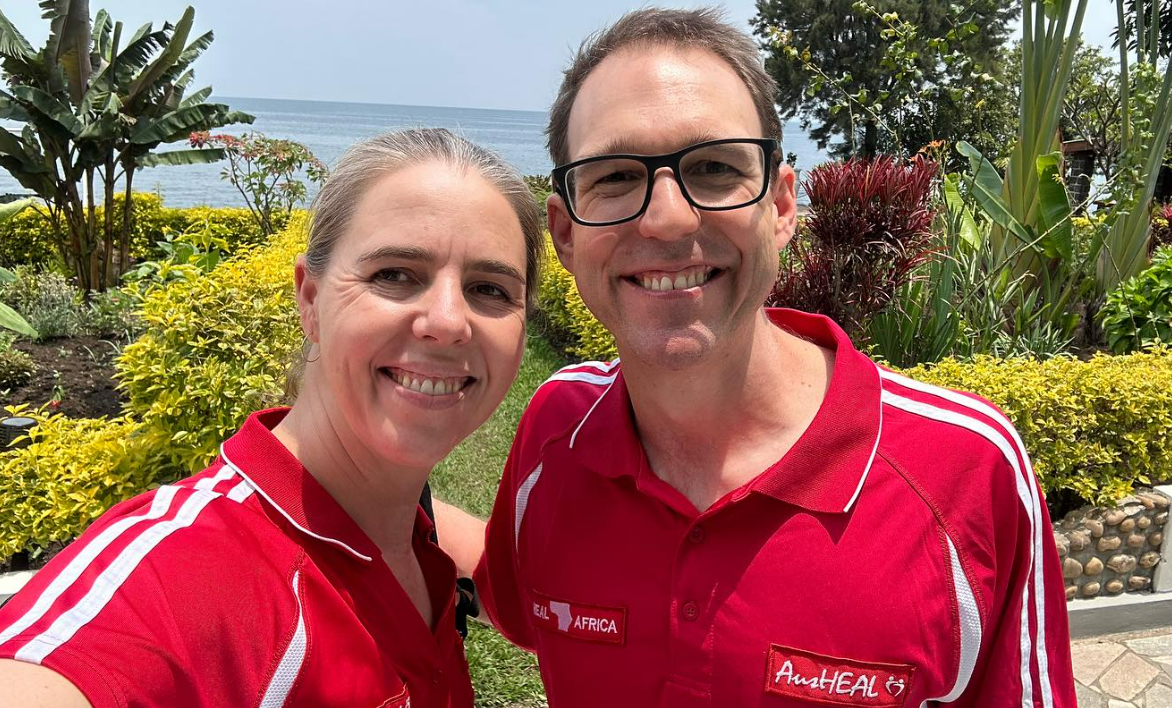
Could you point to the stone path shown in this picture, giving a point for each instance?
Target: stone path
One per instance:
(1124, 670)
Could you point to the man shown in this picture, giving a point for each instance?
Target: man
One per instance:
(746, 511)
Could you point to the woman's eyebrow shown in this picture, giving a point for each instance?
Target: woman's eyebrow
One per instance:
(489, 265)
(405, 253)
(423, 255)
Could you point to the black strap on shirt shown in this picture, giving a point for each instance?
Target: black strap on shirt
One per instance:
(466, 603)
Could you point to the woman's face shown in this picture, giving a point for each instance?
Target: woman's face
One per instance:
(419, 320)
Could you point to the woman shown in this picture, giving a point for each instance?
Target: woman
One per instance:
(297, 570)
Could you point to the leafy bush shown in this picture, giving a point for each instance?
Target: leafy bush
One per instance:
(72, 470)
(112, 314)
(49, 303)
(869, 230)
(1139, 312)
(16, 367)
(571, 326)
(215, 348)
(1161, 234)
(1094, 427)
(26, 239)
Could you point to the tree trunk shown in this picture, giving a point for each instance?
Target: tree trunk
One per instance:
(870, 138)
(127, 219)
(108, 224)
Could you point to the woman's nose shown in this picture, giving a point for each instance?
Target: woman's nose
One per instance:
(444, 319)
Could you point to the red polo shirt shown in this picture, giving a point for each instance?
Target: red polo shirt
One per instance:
(245, 585)
(898, 554)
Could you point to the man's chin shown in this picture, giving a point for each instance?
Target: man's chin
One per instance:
(670, 351)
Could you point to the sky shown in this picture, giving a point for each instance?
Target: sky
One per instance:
(469, 53)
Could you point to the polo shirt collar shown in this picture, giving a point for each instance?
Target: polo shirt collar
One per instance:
(825, 469)
(280, 478)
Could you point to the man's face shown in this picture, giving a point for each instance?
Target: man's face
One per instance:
(655, 100)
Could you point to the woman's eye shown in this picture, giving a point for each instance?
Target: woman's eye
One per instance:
(392, 275)
(492, 291)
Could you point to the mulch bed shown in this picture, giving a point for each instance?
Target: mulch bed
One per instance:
(77, 372)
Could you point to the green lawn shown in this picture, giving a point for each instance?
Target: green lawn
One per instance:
(503, 675)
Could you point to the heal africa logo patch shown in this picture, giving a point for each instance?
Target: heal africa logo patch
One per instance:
(597, 623)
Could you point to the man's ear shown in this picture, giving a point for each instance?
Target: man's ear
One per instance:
(786, 200)
(560, 230)
(306, 287)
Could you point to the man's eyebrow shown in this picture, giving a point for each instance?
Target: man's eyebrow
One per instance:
(402, 253)
(488, 265)
(625, 146)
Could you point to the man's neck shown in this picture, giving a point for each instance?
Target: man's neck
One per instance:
(716, 426)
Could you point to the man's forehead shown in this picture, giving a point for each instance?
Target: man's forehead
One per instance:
(650, 99)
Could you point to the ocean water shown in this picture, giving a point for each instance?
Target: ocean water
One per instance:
(328, 128)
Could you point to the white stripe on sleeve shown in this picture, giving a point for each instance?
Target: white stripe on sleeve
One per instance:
(523, 493)
(110, 579)
(291, 662)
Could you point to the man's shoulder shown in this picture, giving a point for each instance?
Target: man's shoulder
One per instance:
(567, 396)
(956, 448)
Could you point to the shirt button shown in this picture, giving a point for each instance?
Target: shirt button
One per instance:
(437, 676)
(696, 535)
(690, 611)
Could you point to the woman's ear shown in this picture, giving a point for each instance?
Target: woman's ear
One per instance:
(306, 287)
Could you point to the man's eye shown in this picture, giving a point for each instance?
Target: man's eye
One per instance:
(712, 167)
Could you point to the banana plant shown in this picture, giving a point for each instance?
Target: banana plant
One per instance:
(10, 318)
(95, 108)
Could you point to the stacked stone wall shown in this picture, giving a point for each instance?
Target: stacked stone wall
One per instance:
(1107, 552)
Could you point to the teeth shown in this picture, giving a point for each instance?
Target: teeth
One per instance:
(681, 282)
(429, 387)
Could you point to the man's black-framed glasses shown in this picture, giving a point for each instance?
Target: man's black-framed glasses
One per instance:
(716, 175)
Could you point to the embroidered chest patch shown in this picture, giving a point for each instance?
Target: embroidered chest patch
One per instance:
(596, 623)
(804, 675)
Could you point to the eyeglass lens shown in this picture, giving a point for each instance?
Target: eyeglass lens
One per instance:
(726, 175)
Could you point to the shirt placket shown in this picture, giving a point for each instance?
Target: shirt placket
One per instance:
(693, 614)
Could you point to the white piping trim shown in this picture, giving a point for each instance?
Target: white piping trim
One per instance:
(574, 437)
(604, 366)
(107, 583)
(277, 506)
(970, 626)
(522, 503)
(1035, 514)
(984, 430)
(871, 459)
(68, 575)
(209, 483)
(287, 671)
(581, 376)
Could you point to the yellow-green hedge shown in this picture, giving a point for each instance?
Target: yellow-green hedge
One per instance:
(216, 348)
(1095, 427)
(71, 472)
(574, 325)
(27, 238)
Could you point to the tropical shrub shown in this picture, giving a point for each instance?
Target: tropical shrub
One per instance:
(1161, 227)
(1096, 427)
(16, 367)
(72, 470)
(1139, 312)
(47, 301)
(215, 348)
(868, 231)
(27, 239)
(264, 170)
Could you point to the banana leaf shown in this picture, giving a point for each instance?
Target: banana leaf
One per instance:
(1054, 208)
(181, 157)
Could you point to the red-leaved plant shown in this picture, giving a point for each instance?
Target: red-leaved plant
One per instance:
(868, 231)
(1161, 227)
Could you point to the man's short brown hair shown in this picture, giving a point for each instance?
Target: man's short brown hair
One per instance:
(702, 28)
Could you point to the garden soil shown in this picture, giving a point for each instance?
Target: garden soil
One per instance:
(74, 376)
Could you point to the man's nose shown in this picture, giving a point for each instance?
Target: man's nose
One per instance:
(669, 216)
